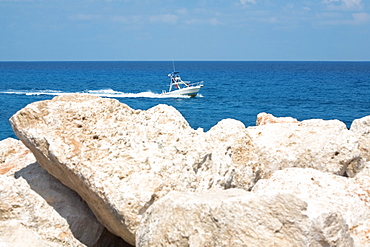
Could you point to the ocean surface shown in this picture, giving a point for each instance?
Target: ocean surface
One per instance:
(238, 90)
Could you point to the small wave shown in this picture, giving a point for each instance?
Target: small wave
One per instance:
(32, 92)
(110, 93)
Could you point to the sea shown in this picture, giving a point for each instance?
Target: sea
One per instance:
(232, 89)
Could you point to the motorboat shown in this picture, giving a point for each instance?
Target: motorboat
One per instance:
(180, 87)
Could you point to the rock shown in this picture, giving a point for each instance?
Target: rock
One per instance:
(217, 169)
(361, 128)
(326, 194)
(324, 145)
(14, 156)
(241, 157)
(35, 208)
(13, 233)
(361, 125)
(264, 118)
(237, 218)
(121, 160)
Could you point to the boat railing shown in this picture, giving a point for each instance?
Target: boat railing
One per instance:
(195, 84)
(189, 84)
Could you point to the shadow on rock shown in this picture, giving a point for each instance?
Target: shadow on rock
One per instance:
(69, 205)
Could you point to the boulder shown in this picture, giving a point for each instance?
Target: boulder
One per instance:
(238, 157)
(238, 218)
(361, 128)
(35, 208)
(326, 194)
(265, 118)
(323, 145)
(121, 160)
(14, 156)
(217, 168)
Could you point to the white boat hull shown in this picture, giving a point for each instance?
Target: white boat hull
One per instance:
(191, 91)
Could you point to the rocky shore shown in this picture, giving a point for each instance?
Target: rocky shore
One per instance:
(90, 171)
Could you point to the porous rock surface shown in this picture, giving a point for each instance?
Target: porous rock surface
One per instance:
(35, 208)
(121, 161)
(264, 118)
(238, 218)
(323, 145)
(361, 129)
(326, 194)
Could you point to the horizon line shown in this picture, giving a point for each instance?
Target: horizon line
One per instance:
(185, 60)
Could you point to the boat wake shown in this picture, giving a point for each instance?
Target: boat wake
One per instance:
(110, 93)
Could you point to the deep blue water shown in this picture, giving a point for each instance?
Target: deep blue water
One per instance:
(238, 90)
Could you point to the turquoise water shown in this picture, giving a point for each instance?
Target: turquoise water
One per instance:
(238, 90)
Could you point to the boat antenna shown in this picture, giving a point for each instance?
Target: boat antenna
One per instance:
(173, 65)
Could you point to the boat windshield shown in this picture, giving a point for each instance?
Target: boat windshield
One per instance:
(176, 81)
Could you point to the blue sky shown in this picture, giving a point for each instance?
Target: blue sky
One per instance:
(127, 30)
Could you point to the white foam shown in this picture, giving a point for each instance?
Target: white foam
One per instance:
(101, 93)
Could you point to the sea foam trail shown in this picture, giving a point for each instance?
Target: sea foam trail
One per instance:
(102, 93)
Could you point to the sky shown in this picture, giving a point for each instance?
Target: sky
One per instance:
(203, 30)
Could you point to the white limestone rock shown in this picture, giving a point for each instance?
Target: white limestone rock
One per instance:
(361, 125)
(265, 118)
(361, 129)
(35, 208)
(14, 156)
(217, 168)
(237, 218)
(323, 145)
(121, 160)
(326, 194)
